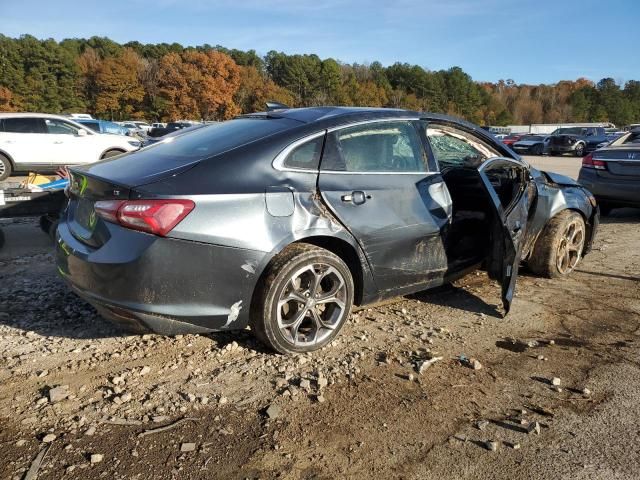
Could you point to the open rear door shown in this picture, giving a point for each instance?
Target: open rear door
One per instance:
(509, 186)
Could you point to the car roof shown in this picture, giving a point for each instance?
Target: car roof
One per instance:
(329, 116)
(36, 115)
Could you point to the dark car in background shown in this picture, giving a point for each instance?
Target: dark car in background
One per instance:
(531, 145)
(103, 126)
(612, 173)
(512, 138)
(283, 220)
(576, 140)
(171, 127)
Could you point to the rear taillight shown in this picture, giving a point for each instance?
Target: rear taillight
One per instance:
(153, 216)
(589, 162)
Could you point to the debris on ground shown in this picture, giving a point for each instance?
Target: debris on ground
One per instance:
(59, 393)
(424, 365)
(273, 411)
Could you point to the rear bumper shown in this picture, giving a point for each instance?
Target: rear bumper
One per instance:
(164, 285)
(610, 190)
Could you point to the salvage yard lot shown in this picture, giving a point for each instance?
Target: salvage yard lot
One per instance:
(358, 408)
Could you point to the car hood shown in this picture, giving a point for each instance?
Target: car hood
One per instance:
(561, 179)
(526, 143)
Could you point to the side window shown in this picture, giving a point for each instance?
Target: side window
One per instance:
(92, 125)
(306, 156)
(508, 180)
(455, 148)
(23, 125)
(60, 127)
(376, 147)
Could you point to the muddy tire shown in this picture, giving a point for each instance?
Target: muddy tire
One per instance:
(304, 299)
(559, 248)
(5, 167)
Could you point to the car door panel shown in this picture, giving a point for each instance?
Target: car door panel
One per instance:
(509, 228)
(396, 217)
(399, 225)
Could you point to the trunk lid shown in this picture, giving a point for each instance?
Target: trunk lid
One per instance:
(84, 191)
(623, 163)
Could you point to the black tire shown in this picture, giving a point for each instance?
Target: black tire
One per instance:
(548, 253)
(580, 150)
(5, 168)
(538, 150)
(280, 280)
(1, 238)
(111, 153)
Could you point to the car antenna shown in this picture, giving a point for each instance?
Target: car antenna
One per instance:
(271, 106)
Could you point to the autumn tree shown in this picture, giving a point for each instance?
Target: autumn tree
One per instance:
(119, 90)
(8, 101)
(256, 89)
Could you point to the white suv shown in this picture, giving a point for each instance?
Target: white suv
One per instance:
(37, 142)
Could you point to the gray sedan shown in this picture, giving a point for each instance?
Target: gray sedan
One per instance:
(283, 220)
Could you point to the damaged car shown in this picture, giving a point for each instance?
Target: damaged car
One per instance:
(284, 220)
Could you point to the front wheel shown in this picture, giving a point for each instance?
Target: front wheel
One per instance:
(5, 168)
(559, 248)
(304, 301)
(579, 151)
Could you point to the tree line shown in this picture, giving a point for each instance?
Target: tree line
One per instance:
(160, 82)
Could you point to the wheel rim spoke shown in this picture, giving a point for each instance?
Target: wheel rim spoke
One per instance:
(570, 248)
(312, 304)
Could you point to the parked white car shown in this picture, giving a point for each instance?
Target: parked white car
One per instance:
(38, 142)
(136, 126)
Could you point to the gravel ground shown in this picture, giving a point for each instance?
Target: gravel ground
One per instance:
(90, 396)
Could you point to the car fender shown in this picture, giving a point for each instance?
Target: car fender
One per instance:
(555, 194)
(321, 228)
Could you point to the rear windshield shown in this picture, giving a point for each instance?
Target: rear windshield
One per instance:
(183, 150)
(213, 139)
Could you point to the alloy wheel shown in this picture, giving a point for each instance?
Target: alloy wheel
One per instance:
(570, 247)
(312, 304)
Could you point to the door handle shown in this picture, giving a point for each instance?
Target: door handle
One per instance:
(357, 197)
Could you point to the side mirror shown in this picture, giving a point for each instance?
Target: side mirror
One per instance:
(82, 133)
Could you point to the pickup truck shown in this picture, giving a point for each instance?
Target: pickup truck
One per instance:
(576, 140)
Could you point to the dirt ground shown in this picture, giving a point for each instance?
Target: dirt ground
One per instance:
(90, 396)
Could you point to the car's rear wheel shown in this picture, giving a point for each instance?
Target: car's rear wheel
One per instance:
(559, 248)
(304, 300)
(5, 167)
(111, 153)
(579, 151)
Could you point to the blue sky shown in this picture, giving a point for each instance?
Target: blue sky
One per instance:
(530, 41)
